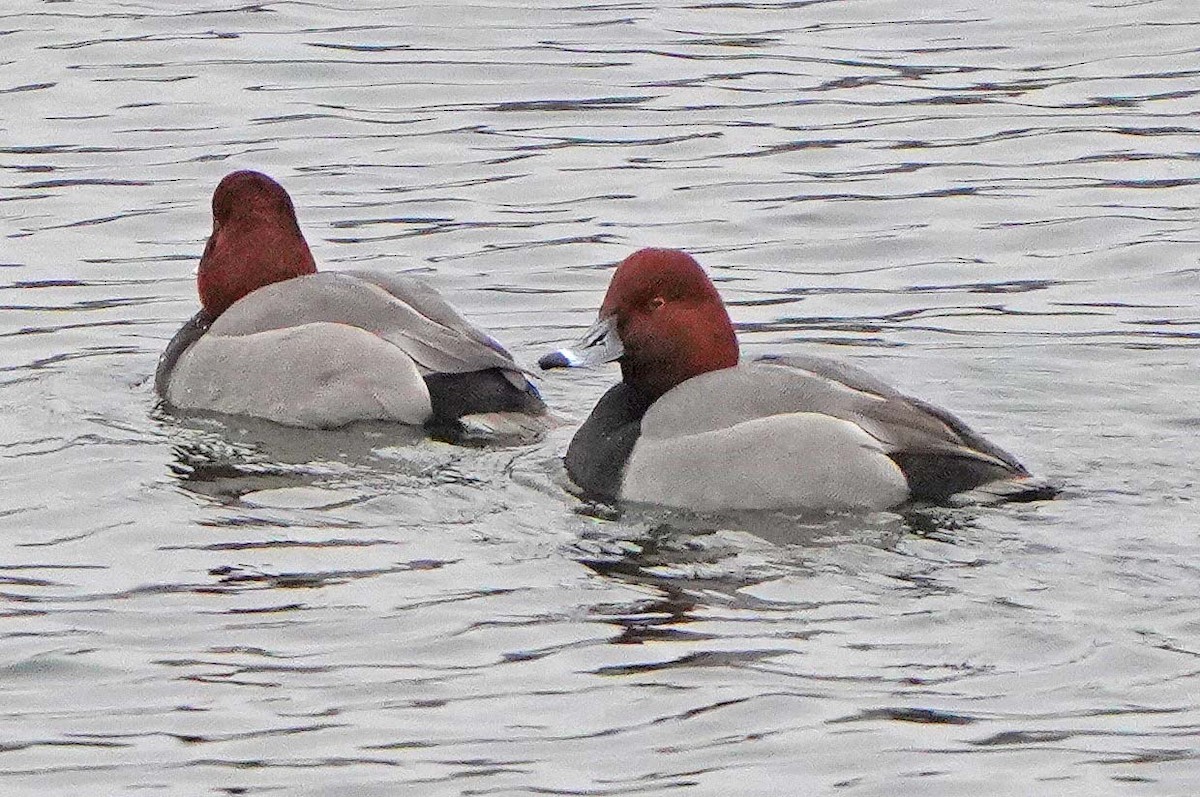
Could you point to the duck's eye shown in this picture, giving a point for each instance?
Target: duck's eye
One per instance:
(657, 302)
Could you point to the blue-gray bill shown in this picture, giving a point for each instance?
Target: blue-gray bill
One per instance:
(600, 344)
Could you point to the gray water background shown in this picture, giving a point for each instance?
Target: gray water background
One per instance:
(993, 205)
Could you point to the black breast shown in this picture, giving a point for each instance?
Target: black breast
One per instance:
(188, 334)
(597, 455)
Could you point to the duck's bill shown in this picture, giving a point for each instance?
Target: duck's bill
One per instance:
(600, 344)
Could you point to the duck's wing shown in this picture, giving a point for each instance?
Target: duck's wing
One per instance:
(407, 314)
(938, 453)
(903, 423)
(426, 300)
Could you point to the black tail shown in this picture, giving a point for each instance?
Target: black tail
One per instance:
(456, 395)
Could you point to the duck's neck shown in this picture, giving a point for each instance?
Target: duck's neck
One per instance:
(698, 342)
(244, 254)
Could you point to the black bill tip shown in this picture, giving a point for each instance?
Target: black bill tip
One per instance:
(555, 359)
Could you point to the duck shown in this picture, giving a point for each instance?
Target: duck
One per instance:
(693, 426)
(276, 339)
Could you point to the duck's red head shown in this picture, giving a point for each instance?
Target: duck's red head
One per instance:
(662, 319)
(255, 241)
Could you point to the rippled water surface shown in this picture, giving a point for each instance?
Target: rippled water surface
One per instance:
(993, 205)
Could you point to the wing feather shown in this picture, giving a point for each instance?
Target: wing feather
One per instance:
(405, 312)
(926, 441)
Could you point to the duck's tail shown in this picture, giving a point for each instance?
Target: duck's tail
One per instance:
(1018, 489)
(493, 428)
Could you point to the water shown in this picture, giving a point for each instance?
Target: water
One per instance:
(994, 205)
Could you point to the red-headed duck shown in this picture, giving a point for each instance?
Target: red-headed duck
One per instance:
(691, 427)
(277, 339)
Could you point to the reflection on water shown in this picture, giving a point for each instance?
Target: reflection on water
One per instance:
(993, 207)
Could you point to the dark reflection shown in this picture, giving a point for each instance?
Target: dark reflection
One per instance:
(700, 566)
(670, 535)
(694, 562)
(227, 457)
(656, 555)
(655, 620)
(701, 659)
(570, 104)
(355, 442)
(258, 545)
(1009, 738)
(235, 577)
(924, 716)
(263, 734)
(227, 475)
